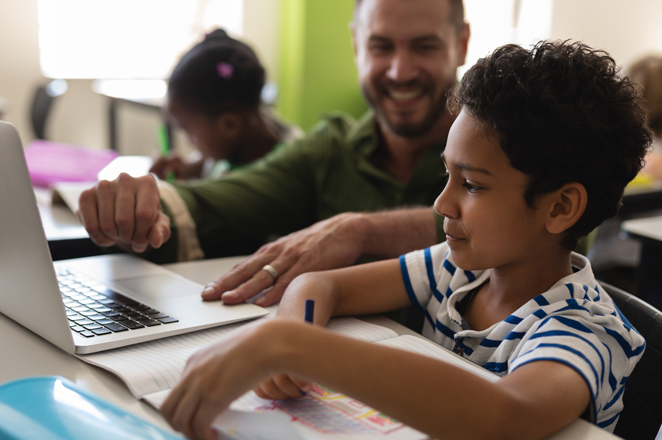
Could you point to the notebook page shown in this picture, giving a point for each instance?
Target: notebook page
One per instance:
(157, 365)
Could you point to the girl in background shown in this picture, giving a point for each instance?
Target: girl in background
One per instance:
(214, 95)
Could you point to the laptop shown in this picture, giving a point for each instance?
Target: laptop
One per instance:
(87, 305)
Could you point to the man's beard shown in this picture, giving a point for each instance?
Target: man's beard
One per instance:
(408, 130)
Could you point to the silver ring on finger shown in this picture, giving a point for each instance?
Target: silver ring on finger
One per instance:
(268, 268)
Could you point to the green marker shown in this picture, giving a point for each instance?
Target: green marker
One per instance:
(164, 147)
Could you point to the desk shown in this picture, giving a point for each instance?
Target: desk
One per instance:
(641, 198)
(648, 278)
(26, 354)
(67, 238)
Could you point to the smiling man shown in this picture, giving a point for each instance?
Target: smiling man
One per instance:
(341, 182)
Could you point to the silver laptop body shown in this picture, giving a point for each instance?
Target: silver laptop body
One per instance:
(30, 293)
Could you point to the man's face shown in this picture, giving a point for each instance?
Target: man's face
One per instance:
(407, 54)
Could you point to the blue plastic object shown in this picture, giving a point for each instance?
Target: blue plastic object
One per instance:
(54, 408)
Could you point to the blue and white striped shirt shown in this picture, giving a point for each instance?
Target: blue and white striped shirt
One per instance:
(575, 322)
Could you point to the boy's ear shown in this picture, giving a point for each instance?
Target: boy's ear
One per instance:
(566, 206)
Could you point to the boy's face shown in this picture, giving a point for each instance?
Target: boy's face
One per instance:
(487, 221)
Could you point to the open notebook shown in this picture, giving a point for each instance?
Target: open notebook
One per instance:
(151, 369)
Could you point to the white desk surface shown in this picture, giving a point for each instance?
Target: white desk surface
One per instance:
(58, 220)
(649, 227)
(25, 354)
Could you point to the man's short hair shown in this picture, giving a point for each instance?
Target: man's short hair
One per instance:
(561, 113)
(456, 18)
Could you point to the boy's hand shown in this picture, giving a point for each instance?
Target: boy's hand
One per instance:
(282, 386)
(126, 212)
(219, 374)
(329, 244)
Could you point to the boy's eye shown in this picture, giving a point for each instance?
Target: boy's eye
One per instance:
(471, 188)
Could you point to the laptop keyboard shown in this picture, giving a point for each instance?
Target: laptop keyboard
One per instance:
(95, 310)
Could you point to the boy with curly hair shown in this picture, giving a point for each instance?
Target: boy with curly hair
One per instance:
(545, 142)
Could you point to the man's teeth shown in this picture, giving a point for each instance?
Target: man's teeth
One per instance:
(402, 96)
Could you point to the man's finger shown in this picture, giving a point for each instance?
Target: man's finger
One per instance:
(106, 209)
(88, 214)
(125, 208)
(260, 281)
(277, 292)
(148, 208)
(160, 232)
(263, 279)
(244, 271)
(236, 276)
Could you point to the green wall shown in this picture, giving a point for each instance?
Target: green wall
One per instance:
(316, 67)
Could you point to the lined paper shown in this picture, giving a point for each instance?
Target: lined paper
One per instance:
(157, 365)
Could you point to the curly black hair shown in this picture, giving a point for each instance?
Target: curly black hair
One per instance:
(562, 113)
(197, 83)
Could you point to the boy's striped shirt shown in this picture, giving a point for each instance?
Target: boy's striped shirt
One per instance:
(575, 322)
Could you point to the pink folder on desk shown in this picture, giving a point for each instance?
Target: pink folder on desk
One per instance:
(50, 162)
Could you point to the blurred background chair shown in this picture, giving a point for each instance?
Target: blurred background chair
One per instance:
(42, 103)
(642, 415)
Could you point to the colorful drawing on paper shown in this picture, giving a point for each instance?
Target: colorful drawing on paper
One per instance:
(327, 412)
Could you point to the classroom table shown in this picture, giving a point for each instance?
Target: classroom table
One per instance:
(66, 236)
(641, 198)
(25, 354)
(648, 277)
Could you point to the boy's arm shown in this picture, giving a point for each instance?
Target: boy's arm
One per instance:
(358, 290)
(437, 398)
(364, 289)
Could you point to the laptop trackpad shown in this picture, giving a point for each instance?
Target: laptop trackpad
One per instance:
(158, 286)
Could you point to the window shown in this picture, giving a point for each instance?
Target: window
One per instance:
(498, 22)
(126, 39)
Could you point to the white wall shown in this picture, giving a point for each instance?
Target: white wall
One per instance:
(80, 116)
(627, 30)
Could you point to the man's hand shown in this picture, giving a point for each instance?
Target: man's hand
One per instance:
(126, 212)
(330, 244)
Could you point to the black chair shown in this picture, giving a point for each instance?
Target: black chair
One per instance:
(642, 415)
(42, 103)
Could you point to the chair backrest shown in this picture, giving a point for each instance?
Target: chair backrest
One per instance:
(642, 415)
(41, 106)
(42, 103)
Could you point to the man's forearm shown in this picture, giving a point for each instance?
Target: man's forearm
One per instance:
(388, 234)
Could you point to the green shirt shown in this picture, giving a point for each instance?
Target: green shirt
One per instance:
(331, 170)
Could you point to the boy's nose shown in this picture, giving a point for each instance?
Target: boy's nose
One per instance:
(445, 206)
